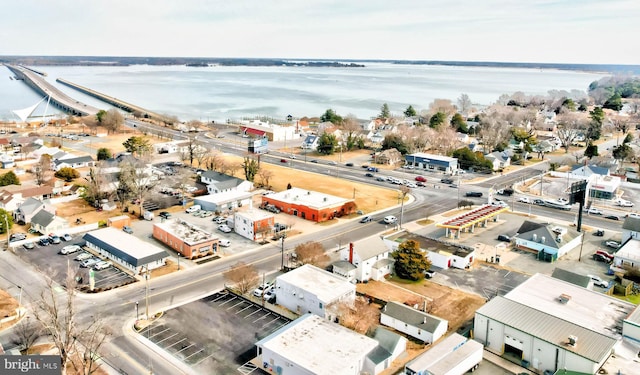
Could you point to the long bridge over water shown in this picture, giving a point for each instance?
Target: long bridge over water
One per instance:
(69, 105)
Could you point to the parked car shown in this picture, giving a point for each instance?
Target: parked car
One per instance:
(127, 229)
(612, 217)
(44, 242)
(429, 274)
(390, 219)
(17, 237)
(504, 238)
(261, 289)
(597, 281)
(224, 228)
(66, 237)
(277, 227)
(475, 194)
(224, 242)
(612, 244)
(88, 263)
(194, 208)
(28, 245)
(70, 249)
(605, 254)
(508, 192)
(83, 256)
(270, 296)
(598, 233)
(219, 220)
(624, 203)
(366, 219)
(164, 214)
(600, 258)
(637, 216)
(421, 184)
(206, 214)
(54, 239)
(101, 265)
(524, 200)
(421, 178)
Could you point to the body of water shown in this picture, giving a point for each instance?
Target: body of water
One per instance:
(222, 92)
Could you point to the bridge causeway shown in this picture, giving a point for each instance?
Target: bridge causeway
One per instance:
(57, 97)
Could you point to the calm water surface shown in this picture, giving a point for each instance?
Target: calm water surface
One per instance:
(218, 93)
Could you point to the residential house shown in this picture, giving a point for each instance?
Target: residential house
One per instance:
(389, 157)
(310, 205)
(253, 224)
(27, 209)
(415, 323)
(44, 222)
(630, 229)
(310, 142)
(586, 171)
(390, 347)
(219, 182)
(441, 254)
(12, 196)
(550, 242)
(367, 259)
(499, 159)
(73, 161)
(309, 289)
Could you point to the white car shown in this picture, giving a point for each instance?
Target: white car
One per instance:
(224, 228)
(194, 208)
(224, 242)
(593, 211)
(83, 256)
(261, 289)
(524, 200)
(69, 249)
(624, 203)
(597, 281)
(88, 263)
(390, 219)
(101, 265)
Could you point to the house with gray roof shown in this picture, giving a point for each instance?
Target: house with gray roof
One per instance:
(27, 210)
(390, 346)
(631, 228)
(586, 171)
(219, 182)
(499, 159)
(44, 222)
(126, 250)
(73, 161)
(552, 325)
(549, 242)
(415, 323)
(367, 259)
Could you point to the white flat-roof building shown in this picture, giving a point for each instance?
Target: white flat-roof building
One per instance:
(309, 289)
(312, 345)
(226, 201)
(310, 205)
(125, 249)
(420, 160)
(552, 324)
(253, 224)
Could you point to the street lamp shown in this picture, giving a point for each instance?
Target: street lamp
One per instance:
(137, 311)
(20, 302)
(282, 253)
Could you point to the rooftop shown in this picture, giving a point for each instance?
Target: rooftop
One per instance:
(630, 250)
(437, 352)
(431, 245)
(370, 247)
(254, 214)
(320, 346)
(307, 198)
(125, 246)
(433, 157)
(325, 285)
(413, 317)
(592, 310)
(188, 233)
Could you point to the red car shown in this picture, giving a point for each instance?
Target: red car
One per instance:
(421, 179)
(283, 160)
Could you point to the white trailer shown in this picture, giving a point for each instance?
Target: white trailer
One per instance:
(455, 355)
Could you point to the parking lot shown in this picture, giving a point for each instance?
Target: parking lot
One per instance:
(48, 260)
(232, 325)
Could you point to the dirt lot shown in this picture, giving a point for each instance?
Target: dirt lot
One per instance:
(79, 208)
(8, 306)
(442, 301)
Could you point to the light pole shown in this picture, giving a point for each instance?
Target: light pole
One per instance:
(20, 302)
(282, 253)
(137, 311)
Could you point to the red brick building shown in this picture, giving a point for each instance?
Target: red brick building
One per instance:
(187, 239)
(310, 205)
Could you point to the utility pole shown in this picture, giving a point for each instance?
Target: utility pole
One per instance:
(282, 254)
(146, 277)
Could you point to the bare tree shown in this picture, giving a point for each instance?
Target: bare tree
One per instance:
(215, 161)
(99, 184)
(265, 176)
(493, 131)
(243, 276)
(194, 125)
(359, 316)
(57, 314)
(137, 179)
(350, 131)
(42, 170)
(464, 104)
(569, 128)
(311, 253)
(26, 332)
(442, 105)
(112, 120)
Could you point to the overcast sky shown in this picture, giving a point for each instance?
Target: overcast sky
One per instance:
(564, 31)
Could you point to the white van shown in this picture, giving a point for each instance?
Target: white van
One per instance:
(224, 242)
(194, 208)
(104, 264)
(148, 215)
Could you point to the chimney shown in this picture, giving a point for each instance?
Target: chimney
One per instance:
(351, 252)
(424, 320)
(542, 239)
(573, 341)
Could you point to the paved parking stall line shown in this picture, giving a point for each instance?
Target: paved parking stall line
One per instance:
(263, 317)
(222, 296)
(166, 338)
(185, 348)
(248, 307)
(257, 311)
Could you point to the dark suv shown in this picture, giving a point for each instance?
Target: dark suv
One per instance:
(446, 181)
(164, 214)
(475, 194)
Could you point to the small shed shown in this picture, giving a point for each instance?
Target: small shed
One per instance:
(119, 221)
